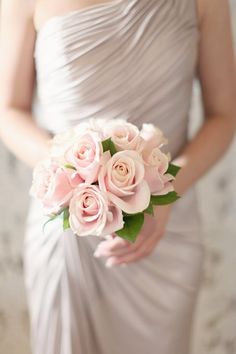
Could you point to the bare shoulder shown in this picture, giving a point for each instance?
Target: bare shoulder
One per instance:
(20, 8)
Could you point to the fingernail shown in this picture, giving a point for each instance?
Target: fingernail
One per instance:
(109, 263)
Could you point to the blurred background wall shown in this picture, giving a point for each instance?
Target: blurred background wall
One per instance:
(215, 325)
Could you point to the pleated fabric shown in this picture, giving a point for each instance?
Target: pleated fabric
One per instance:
(120, 59)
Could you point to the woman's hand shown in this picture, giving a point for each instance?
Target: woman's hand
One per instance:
(121, 251)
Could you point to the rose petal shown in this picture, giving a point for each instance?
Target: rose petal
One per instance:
(136, 203)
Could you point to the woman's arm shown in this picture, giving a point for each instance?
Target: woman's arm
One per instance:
(217, 76)
(18, 130)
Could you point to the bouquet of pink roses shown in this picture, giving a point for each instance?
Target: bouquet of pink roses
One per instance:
(103, 175)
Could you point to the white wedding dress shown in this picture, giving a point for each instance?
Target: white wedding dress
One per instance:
(134, 59)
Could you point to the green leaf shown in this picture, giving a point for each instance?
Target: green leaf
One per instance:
(173, 169)
(108, 145)
(169, 198)
(69, 166)
(66, 222)
(132, 226)
(50, 219)
(53, 217)
(149, 210)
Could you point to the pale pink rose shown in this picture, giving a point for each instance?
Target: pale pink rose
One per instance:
(153, 138)
(158, 183)
(61, 142)
(92, 214)
(157, 158)
(124, 135)
(85, 156)
(53, 185)
(122, 177)
(92, 124)
(155, 172)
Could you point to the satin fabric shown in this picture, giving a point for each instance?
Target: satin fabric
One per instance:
(136, 60)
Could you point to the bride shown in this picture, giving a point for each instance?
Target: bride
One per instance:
(134, 59)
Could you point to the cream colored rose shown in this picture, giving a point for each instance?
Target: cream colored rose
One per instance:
(92, 214)
(122, 177)
(124, 135)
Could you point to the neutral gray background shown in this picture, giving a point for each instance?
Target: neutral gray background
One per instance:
(215, 325)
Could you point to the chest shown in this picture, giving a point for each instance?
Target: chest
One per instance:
(130, 46)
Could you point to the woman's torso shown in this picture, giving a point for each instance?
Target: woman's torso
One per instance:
(134, 59)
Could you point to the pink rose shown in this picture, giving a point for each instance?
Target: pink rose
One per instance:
(122, 177)
(124, 135)
(157, 158)
(159, 184)
(153, 137)
(61, 142)
(155, 172)
(53, 185)
(91, 213)
(91, 124)
(85, 155)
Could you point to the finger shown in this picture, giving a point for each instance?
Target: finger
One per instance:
(114, 244)
(103, 249)
(144, 249)
(105, 252)
(119, 247)
(130, 257)
(118, 243)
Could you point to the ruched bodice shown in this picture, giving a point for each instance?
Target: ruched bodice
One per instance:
(129, 58)
(133, 59)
